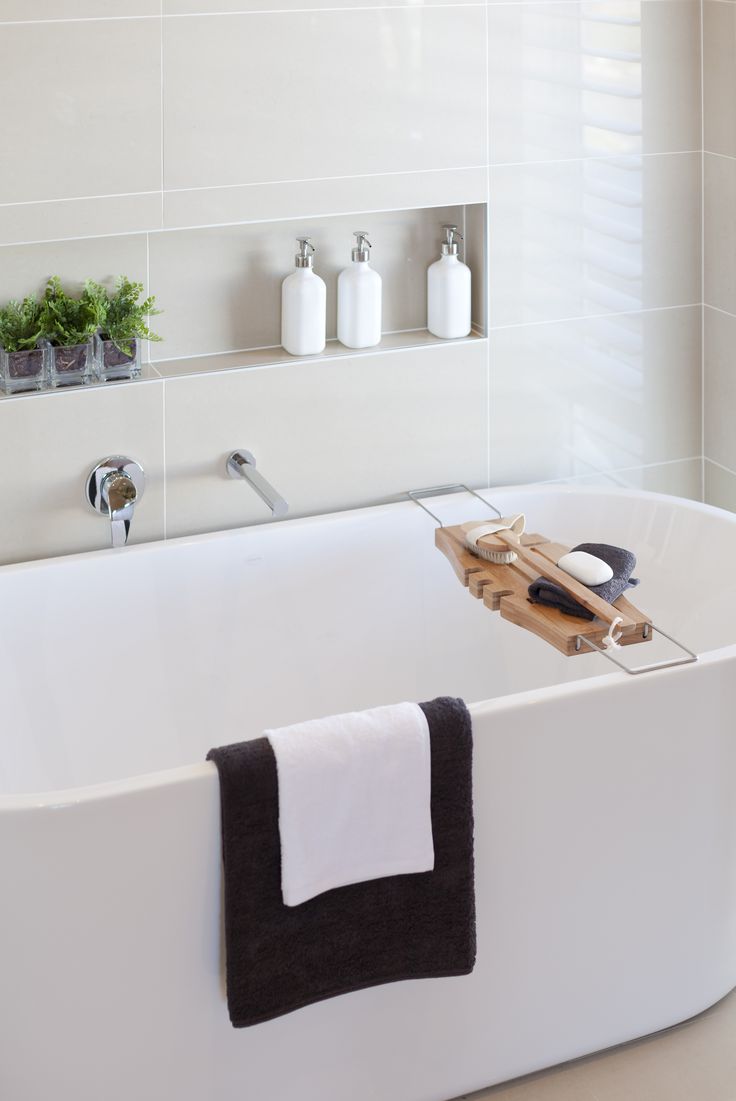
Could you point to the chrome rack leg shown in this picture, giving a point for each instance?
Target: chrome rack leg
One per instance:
(633, 672)
(437, 491)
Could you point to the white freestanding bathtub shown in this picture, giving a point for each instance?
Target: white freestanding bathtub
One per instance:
(605, 804)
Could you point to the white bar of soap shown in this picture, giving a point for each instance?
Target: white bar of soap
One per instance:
(586, 568)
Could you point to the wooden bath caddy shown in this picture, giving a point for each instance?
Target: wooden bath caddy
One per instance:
(504, 589)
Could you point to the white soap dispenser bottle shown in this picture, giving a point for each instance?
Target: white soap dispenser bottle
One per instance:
(359, 299)
(303, 306)
(448, 291)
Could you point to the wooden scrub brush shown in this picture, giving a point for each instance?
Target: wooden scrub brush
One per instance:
(483, 539)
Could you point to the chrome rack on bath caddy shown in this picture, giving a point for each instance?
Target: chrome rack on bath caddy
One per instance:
(503, 587)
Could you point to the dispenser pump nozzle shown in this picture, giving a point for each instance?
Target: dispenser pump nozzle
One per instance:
(304, 256)
(362, 250)
(450, 245)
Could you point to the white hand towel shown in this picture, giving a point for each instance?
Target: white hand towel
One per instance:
(354, 799)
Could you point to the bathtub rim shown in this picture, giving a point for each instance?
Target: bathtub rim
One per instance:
(58, 799)
(206, 770)
(379, 508)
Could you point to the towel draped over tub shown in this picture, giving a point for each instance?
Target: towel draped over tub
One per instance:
(280, 958)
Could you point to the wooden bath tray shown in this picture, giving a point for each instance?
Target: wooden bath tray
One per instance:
(504, 589)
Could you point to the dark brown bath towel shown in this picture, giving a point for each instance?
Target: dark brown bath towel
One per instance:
(280, 958)
(621, 561)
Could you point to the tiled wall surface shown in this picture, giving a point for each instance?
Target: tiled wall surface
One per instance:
(168, 134)
(719, 255)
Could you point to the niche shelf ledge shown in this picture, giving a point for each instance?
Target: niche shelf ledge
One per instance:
(277, 357)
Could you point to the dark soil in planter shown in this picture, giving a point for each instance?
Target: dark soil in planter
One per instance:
(71, 358)
(25, 364)
(112, 356)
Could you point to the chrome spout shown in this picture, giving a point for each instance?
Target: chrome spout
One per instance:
(242, 464)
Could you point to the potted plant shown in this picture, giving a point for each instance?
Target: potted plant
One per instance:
(122, 327)
(69, 325)
(23, 351)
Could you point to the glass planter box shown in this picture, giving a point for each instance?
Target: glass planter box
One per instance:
(113, 364)
(21, 372)
(73, 364)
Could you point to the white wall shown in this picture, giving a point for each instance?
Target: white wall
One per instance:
(185, 147)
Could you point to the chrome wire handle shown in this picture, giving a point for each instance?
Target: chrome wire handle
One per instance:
(437, 491)
(637, 669)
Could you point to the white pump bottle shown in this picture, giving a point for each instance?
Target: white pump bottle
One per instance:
(303, 306)
(448, 291)
(359, 299)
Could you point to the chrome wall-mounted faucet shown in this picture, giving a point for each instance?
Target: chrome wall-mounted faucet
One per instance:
(242, 464)
(113, 489)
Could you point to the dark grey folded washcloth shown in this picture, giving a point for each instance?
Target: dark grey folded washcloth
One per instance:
(280, 958)
(621, 561)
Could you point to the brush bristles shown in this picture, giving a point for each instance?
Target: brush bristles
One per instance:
(498, 557)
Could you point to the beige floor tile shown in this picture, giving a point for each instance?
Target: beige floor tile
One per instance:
(695, 1061)
(559, 1084)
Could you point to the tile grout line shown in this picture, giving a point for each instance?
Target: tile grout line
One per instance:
(201, 226)
(475, 336)
(78, 199)
(595, 157)
(702, 250)
(593, 316)
(161, 103)
(709, 305)
(623, 470)
(712, 152)
(487, 249)
(296, 10)
(613, 158)
(714, 462)
(165, 458)
(148, 290)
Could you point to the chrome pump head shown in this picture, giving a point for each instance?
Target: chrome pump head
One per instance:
(449, 245)
(304, 256)
(362, 250)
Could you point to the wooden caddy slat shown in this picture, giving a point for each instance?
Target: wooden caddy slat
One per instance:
(504, 589)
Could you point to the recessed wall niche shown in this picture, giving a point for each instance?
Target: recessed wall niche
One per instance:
(221, 287)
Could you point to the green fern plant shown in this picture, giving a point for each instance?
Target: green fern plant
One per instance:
(126, 314)
(67, 320)
(96, 299)
(21, 324)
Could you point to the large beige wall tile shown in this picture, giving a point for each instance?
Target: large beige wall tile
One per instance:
(720, 486)
(222, 286)
(578, 79)
(671, 84)
(720, 387)
(594, 236)
(24, 269)
(606, 393)
(202, 7)
(67, 219)
(719, 77)
(680, 478)
(302, 95)
(314, 198)
(48, 445)
(22, 11)
(86, 119)
(328, 434)
(720, 232)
